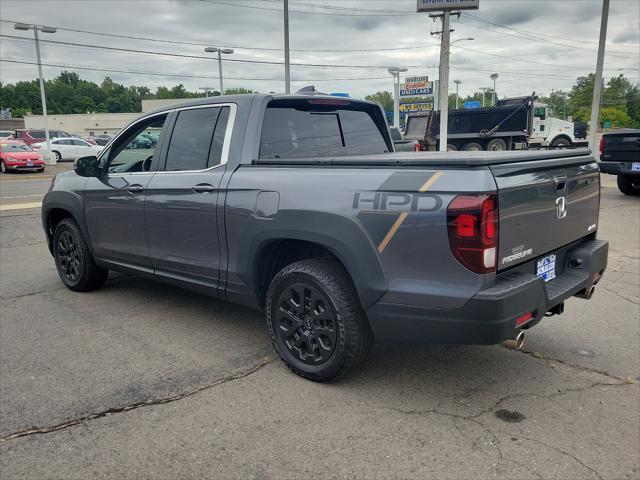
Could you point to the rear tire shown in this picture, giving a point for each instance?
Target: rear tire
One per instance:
(560, 142)
(315, 320)
(629, 184)
(74, 262)
(472, 147)
(451, 147)
(3, 167)
(496, 145)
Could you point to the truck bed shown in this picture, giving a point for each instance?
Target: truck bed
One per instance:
(471, 159)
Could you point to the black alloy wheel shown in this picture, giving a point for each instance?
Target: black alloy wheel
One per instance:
(306, 323)
(315, 320)
(69, 257)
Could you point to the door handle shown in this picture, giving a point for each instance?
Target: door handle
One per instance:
(135, 188)
(203, 188)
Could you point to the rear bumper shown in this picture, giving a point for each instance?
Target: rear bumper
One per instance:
(617, 168)
(490, 316)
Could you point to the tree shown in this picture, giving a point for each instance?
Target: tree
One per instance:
(383, 98)
(557, 102)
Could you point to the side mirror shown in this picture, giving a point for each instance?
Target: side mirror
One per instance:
(86, 166)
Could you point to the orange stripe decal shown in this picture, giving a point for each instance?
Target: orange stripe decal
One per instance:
(402, 217)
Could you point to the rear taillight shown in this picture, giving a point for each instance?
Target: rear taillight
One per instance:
(601, 145)
(472, 223)
(417, 147)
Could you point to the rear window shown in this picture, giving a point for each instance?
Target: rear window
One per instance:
(304, 130)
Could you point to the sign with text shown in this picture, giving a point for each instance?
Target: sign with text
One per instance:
(416, 86)
(416, 107)
(471, 104)
(439, 5)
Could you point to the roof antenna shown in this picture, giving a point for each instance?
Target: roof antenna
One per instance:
(308, 90)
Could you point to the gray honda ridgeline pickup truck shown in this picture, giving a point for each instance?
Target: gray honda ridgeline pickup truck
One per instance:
(296, 204)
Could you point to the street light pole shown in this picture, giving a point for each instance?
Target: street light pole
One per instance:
(597, 86)
(493, 77)
(220, 51)
(36, 28)
(457, 82)
(287, 66)
(395, 72)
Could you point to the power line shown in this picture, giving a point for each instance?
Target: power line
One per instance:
(184, 75)
(305, 12)
(177, 42)
(201, 57)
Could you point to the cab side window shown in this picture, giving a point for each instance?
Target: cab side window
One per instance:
(133, 151)
(197, 139)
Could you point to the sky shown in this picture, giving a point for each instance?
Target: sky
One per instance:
(534, 46)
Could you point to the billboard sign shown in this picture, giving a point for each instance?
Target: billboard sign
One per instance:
(439, 5)
(416, 107)
(470, 105)
(416, 86)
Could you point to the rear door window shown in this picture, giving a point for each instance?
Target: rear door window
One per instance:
(305, 132)
(197, 139)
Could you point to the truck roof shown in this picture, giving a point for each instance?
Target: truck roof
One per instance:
(247, 98)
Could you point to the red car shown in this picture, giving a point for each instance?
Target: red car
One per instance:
(33, 135)
(16, 155)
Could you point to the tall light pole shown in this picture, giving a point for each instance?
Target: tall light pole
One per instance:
(457, 82)
(395, 72)
(220, 51)
(597, 86)
(484, 92)
(287, 66)
(36, 29)
(493, 77)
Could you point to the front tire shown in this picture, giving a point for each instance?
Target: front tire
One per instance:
(74, 262)
(57, 156)
(315, 320)
(629, 184)
(561, 143)
(3, 167)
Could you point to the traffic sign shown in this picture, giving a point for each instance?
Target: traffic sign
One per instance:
(470, 105)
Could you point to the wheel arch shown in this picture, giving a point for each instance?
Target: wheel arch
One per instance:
(57, 206)
(563, 137)
(314, 235)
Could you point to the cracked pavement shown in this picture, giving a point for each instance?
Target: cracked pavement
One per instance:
(144, 380)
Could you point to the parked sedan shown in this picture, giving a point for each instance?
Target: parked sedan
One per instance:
(16, 155)
(69, 148)
(103, 138)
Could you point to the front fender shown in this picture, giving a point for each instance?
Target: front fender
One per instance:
(68, 201)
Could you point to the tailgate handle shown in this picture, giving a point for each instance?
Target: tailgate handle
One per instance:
(560, 183)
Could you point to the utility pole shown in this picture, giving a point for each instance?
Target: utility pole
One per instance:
(43, 98)
(597, 85)
(444, 81)
(287, 71)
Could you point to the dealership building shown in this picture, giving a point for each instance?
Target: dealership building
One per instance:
(89, 124)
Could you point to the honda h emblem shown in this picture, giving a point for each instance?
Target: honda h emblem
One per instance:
(561, 207)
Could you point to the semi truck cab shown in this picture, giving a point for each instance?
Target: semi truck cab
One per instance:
(549, 131)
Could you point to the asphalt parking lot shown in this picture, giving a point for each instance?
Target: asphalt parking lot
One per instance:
(143, 380)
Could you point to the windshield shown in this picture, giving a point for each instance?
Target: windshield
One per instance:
(15, 147)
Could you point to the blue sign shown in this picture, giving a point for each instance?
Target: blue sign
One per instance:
(340, 94)
(471, 105)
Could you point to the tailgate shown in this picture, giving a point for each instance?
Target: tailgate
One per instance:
(621, 147)
(544, 205)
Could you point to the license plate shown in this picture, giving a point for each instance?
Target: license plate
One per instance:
(29, 163)
(546, 267)
(635, 166)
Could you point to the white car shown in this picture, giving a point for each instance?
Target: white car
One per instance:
(69, 148)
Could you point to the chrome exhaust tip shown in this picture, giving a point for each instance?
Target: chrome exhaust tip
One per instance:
(515, 343)
(587, 293)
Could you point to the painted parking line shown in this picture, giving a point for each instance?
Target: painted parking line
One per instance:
(22, 196)
(20, 206)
